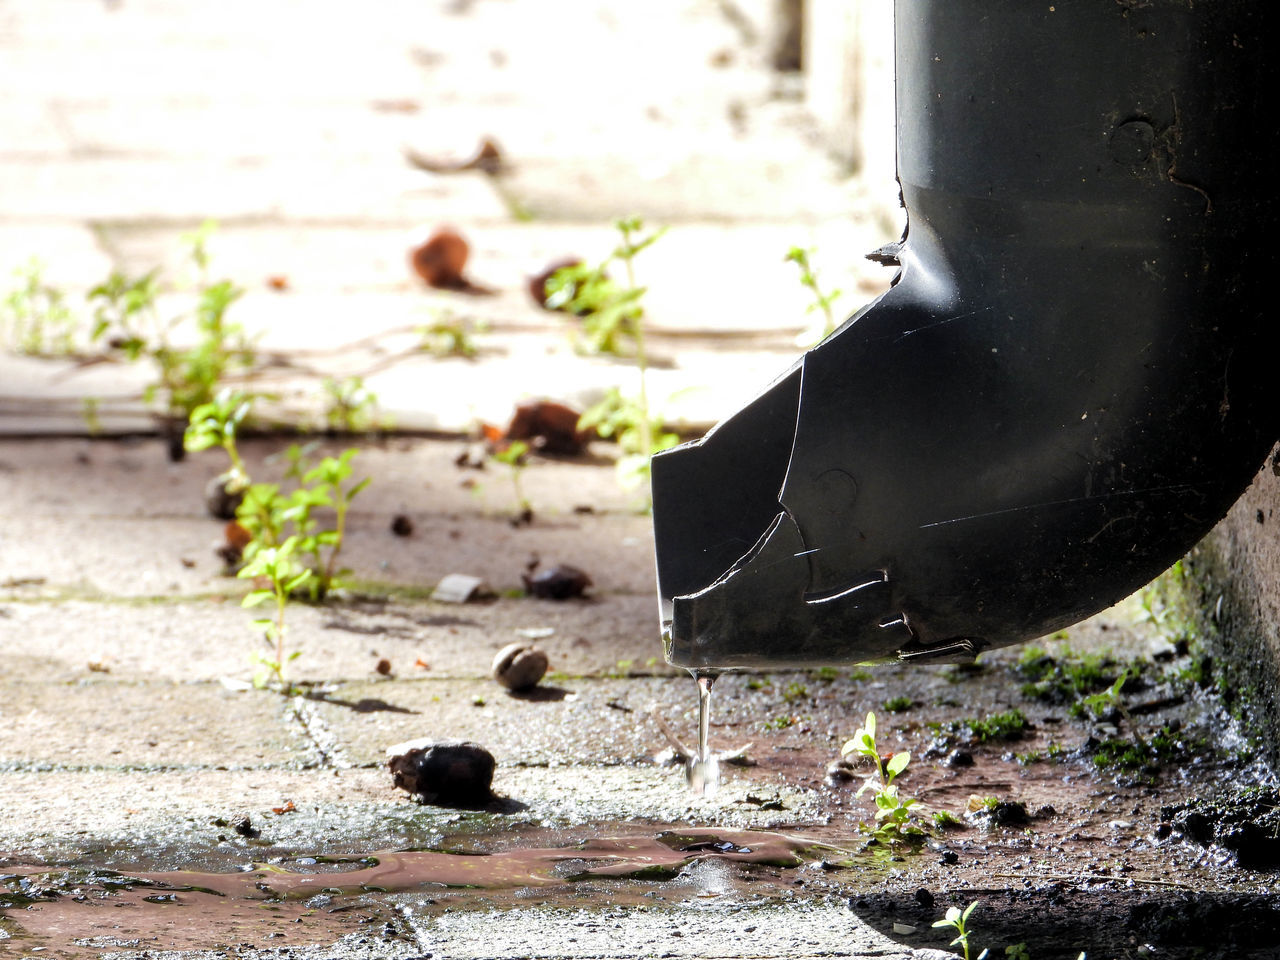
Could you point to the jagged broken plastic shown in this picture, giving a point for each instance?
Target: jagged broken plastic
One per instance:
(1069, 382)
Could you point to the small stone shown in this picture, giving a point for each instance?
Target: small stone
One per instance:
(402, 525)
(841, 771)
(223, 495)
(949, 858)
(244, 826)
(903, 929)
(560, 582)
(924, 898)
(459, 588)
(519, 666)
(384, 667)
(444, 772)
(959, 758)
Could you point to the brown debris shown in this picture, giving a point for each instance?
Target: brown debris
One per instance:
(548, 427)
(486, 158)
(444, 772)
(440, 259)
(561, 582)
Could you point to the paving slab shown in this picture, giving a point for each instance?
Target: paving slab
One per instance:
(126, 726)
(211, 639)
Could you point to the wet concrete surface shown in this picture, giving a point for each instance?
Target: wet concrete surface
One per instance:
(131, 742)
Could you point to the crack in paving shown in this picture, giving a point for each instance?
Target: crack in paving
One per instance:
(322, 740)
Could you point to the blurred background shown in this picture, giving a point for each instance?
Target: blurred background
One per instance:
(319, 142)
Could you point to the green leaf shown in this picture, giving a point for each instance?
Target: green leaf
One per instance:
(297, 581)
(256, 597)
(351, 494)
(897, 763)
(194, 442)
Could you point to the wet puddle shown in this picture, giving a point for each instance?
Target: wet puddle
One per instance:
(319, 899)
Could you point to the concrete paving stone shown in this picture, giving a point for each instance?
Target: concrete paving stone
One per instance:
(94, 503)
(568, 720)
(212, 639)
(745, 930)
(727, 278)
(69, 255)
(319, 189)
(31, 131)
(141, 48)
(245, 130)
(164, 819)
(715, 342)
(113, 725)
(175, 555)
(800, 930)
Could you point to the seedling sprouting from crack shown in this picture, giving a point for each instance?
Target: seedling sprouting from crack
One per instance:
(450, 336)
(216, 424)
(612, 314)
(266, 511)
(514, 455)
(350, 406)
(959, 920)
(34, 318)
(279, 567)
(893, 811)
(822, 301)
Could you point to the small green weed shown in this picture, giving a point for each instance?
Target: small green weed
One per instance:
(959, 920)
(899, 704)
(121, 315)
(894, 816)
(515, 456)
(612, 315)
(279, 566)
(621, 670)
(450, 336)
(216, 424)
(999, 726)
(1164, 746)
(1066, 677)
(781, 722)
(795, 690)
(266, 511)
(350, 406)
(637, 431)
(34, 317)
(826, 674)
(946, 820)
(822, 301)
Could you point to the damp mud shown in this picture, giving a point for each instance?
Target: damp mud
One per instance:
(319, 899)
